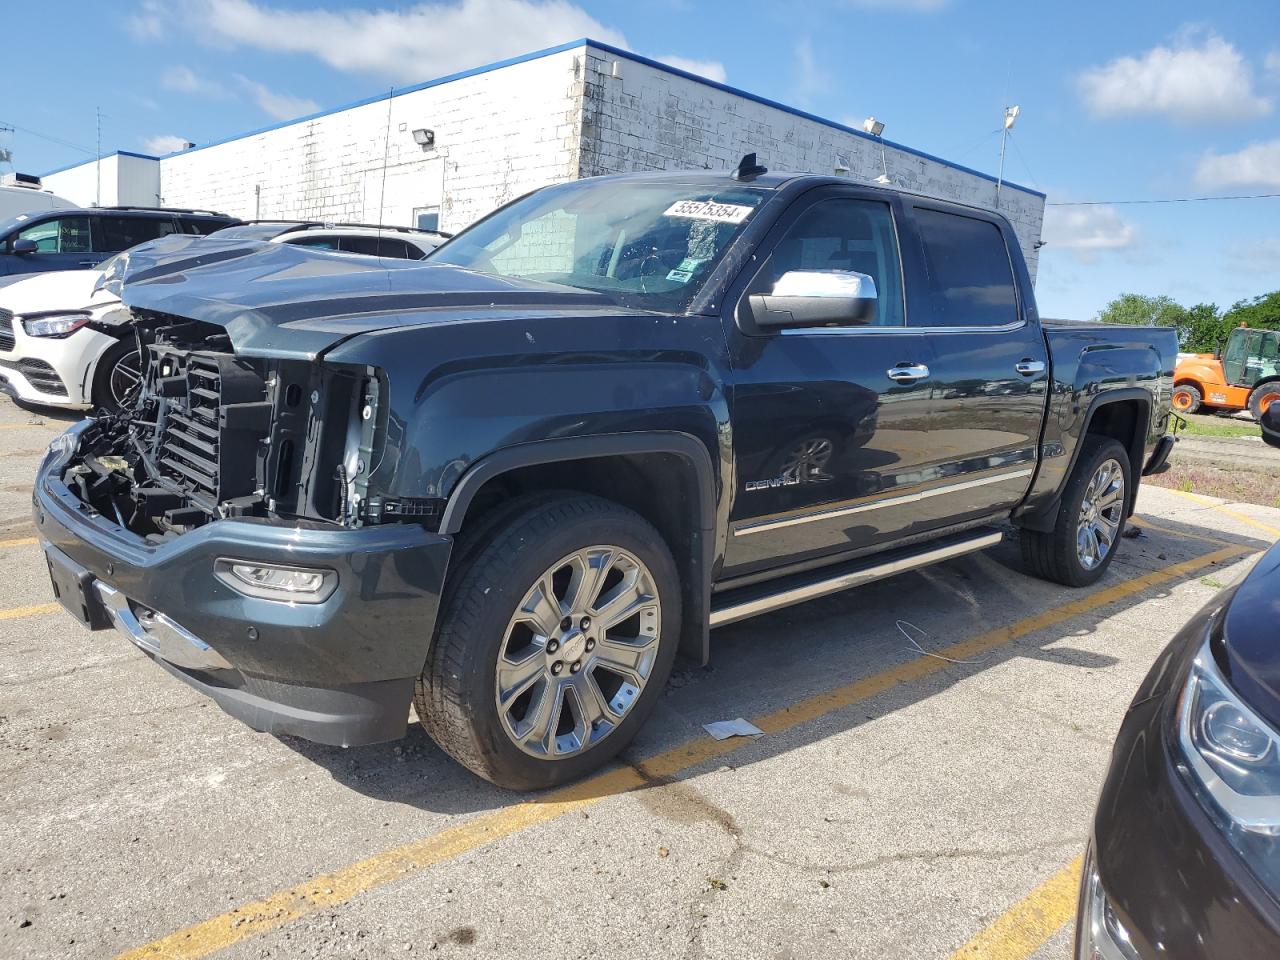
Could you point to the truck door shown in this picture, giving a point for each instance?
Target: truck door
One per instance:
(830, 424)
(1235, 357)
(988, 360)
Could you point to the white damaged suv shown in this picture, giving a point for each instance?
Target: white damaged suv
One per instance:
(57, 356)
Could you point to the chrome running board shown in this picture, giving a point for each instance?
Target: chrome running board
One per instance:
(776, 594)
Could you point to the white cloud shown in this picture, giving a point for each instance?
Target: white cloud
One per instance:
(412, 43)
(1255, 256)
(1211, 81)
(186, 80)
(163, 143)
(711, 69)
(811, 79)
(148, 23)
(1257, 165)
(899, 6)
(1272, 63)
(1087, 230)
(281, 106)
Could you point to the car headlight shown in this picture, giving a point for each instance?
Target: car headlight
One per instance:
(1100, 934)
(1231, 759)
(54, 324)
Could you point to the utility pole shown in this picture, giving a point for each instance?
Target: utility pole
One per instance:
(1010, 115)
(97, 165)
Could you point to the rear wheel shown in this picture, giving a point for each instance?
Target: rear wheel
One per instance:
(1262, 397)
(1186, 398)
(118, 373)
(555, 639)
(1090, 521)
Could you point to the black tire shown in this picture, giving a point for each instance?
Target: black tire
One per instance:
(107, 386)
(1055, 555)
(496, 566)
(1262, 397)
(1186, 398)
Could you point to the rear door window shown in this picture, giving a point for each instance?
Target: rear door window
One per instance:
(376, 247)
(200, 228)
(121, 233)
(970, 276)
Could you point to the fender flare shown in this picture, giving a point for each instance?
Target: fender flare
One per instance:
(695, 633)
(1042, 518)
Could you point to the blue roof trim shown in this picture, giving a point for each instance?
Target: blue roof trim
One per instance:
(572, 45)
(795, 111)
(115, 153)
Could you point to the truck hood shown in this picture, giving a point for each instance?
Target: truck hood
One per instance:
(279, 300)
(1249, 633)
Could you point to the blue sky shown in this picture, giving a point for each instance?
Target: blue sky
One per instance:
(1120, 101)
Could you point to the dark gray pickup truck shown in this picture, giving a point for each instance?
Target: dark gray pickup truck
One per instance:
(512, 483)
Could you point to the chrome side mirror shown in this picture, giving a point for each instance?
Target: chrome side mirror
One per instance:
(816, 298)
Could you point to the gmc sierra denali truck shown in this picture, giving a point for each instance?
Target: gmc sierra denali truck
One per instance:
(511, 484)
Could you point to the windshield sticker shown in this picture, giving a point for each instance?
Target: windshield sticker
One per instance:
(682, 276)
(709, 210)
(690, 264)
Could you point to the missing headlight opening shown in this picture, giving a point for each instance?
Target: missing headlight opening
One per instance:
(208, 434)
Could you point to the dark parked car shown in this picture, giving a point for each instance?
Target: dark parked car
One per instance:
(79, 239)
(1185, 858)
(513, 481)
(1270, 424)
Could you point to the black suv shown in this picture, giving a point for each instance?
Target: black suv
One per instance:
(76, 239)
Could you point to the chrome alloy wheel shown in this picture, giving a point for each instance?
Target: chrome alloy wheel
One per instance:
(578, 652)
(1101, 513)
(808, 460)
(125, 375)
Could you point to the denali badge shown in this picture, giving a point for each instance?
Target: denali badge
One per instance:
(783, 481)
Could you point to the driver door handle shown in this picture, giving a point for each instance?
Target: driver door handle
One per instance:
(1027, 367)
(907, 372)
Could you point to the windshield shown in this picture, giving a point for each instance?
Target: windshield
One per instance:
(650, 245)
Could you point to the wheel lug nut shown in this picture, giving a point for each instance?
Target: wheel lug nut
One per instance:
(557, 667)
(577, 665)
(586, 623)
(591, 644)
(566, 623)
(552, 646)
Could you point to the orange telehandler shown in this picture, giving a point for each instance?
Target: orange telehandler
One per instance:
(1248, 375)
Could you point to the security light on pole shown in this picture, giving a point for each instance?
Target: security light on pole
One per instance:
(873, 126)
(1010, 115)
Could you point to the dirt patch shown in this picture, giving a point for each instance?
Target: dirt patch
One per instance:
(1226, 481)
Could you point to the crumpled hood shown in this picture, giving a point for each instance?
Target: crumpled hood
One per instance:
(279, 300)
(56, 290)
(1251, 637)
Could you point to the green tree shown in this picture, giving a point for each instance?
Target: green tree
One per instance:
(1206, 329)
(1135, 309)
(1261, 312)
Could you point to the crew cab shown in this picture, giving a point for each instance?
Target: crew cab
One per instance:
(513, 482)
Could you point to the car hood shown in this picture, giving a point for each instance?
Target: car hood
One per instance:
(56, 290)
(1251, 637)
(278, 300)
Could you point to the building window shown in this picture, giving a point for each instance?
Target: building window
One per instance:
(427, 218)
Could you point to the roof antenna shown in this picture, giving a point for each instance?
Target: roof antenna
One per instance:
(748, 169)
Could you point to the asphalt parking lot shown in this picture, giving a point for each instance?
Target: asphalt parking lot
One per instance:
(899, 804)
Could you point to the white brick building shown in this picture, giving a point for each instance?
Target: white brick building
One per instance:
(581, 109)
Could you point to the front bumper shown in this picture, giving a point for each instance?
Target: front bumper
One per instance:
(49, 361)
(338, 672)
(1165, 873)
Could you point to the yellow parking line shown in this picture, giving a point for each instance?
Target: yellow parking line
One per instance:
(18, 542)
(1023, 928)
(332, 889)
(14, 613)
(1224, 509)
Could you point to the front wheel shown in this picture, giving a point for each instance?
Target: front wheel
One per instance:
(554, 642)
(1090, 521)
(118, 374)
(1186, 398)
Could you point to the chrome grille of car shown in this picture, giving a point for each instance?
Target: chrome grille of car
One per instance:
(6, 330)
